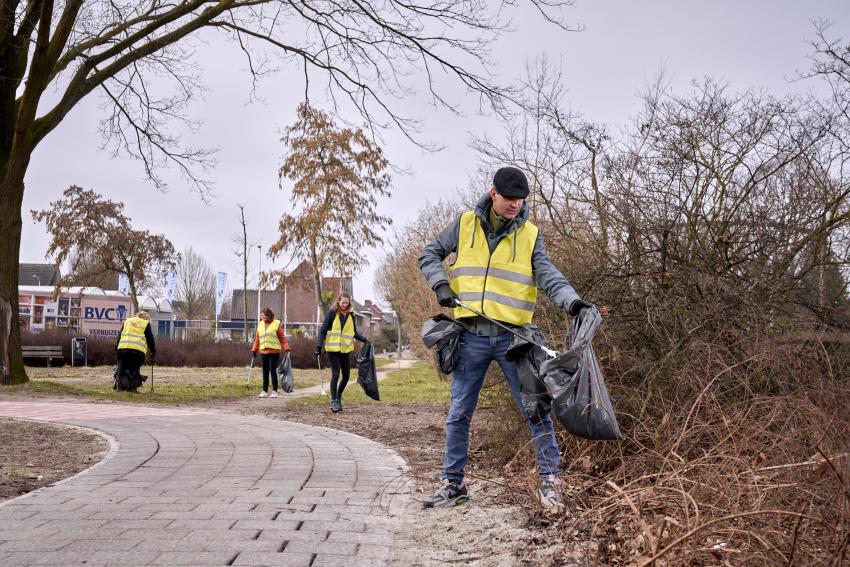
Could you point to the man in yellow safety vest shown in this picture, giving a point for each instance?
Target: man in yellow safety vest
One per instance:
(501, 261)
(134, 341)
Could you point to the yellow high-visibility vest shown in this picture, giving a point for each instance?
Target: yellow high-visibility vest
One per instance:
(500, 285)
(339, 338)
(133, 334)
(268, 335)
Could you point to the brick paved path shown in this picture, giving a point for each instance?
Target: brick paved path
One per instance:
(191, 488)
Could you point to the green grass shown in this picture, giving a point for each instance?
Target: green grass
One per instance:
(416, 384)
(172, 385)
(178, 394)
(381, 362)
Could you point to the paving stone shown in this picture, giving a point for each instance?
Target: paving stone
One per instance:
(333, 548)
(194, 558)
(326, 560)
(277, 559)
(193, 488)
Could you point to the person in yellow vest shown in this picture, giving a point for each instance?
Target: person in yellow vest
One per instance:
(269, 342)
(134, 341)
(501, 261)
(337, 334)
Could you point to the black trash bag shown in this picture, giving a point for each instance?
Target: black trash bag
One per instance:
(536, 401)
(444, 333)
(127, 381)
(574, 381)
(367, 376)
(284, 372)
(119, 383)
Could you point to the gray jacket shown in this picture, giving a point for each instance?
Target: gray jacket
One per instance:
(546, 275)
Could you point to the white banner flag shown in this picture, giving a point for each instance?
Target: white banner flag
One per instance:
(123, 283)
(169, 286)
(220, 284)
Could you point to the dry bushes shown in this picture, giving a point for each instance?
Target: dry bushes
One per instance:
(200, 353)
(716, 229)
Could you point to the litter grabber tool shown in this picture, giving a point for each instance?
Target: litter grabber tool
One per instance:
(321, 374)
(152, 375)
(547, 350)
(250, 369)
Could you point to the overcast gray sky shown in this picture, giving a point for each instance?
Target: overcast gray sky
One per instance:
(624, 44)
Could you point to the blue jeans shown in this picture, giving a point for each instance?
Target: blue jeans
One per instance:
(476, 353)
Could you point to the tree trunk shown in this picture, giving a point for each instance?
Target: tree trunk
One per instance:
(134, 298)
(11, 199)
(317, 278)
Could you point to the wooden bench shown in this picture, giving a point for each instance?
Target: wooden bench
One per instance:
(48, 352)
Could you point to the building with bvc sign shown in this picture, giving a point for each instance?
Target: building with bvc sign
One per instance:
(87, 310)
(81, 310)
(103, 316)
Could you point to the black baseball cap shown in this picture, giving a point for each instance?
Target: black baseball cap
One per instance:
(511, 182)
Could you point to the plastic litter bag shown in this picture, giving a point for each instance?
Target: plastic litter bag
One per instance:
(444, 333)
(126, 381)
(367, 375)
(536, 401)
(574, 381)
(284, 372)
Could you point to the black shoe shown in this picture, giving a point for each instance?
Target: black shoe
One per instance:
(450, 493)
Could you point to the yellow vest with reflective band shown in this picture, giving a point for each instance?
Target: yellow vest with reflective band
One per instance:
(339, 338)
(133, 334)
(268, 335)
(500, 285)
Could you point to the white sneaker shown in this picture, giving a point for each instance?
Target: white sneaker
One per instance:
(273, 394)
(263, 395)
(549, 493)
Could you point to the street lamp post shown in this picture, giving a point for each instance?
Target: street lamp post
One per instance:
(38, 278)
(259, 280)
(398, 330)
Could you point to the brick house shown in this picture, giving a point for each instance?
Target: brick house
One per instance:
(299, 296)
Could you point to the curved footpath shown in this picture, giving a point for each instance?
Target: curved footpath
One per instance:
(184, 487)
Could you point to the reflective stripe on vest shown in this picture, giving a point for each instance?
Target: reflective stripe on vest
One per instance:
(133, 334)
(268, 335)
(500, 285)
(339, 338)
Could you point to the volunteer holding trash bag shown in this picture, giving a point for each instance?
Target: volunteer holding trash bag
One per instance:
(269, 341)
(501, 261)
(337, 334)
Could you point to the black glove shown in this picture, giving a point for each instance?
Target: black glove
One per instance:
(577, 305)
(318, 351)
(445, 295)
(153, 355)
(253, 354)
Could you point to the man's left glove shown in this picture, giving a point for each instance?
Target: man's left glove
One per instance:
(577, 305)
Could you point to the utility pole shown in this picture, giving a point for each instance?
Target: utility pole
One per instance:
(259, 279)
(398, 328)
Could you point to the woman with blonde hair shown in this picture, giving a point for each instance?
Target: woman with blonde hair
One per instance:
(337, 334)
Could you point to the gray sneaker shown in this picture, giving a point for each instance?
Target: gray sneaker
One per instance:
(549, 494)
(450, 493)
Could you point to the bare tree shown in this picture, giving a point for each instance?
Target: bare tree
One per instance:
(194, 286)
(367, 53)
(242, 253)
(96, 235)
(339, 175)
